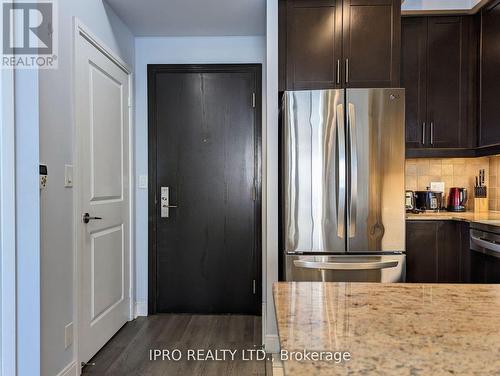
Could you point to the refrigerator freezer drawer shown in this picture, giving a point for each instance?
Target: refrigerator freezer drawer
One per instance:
(346, 268)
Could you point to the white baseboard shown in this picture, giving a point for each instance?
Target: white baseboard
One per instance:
(70, 370)
(141, 308)
(272, 343)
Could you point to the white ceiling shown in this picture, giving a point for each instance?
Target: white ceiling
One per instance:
(229, 17)
(192, 17)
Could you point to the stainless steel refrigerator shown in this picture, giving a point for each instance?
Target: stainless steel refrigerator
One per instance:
(343, 185)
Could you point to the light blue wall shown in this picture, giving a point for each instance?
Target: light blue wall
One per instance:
(419, 5)
(7, 225)
(56, 150)
(181, 50)
(27, 222)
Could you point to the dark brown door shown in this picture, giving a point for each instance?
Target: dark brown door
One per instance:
(414, 79)
(205, 146)
(490, 75)
(313, 44)
(372, 43)
(446, 83)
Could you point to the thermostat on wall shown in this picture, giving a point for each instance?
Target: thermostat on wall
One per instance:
(43, 176)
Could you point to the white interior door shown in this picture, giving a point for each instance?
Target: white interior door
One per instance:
(102, 117)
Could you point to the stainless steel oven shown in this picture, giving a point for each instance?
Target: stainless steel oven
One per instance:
(485, 253)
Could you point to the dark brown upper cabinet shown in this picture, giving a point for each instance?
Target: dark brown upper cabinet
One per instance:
(313, 43)
(328, 44)
(489, 130)
(436, 72)
(371, 43)
(413, 78)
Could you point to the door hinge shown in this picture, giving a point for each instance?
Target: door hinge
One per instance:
(253, 100)
(254, 287)
(84, 364)
(254, 193)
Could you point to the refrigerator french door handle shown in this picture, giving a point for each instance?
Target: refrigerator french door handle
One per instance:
(353, 158)
(346, 71)
(340, 123)
(338, 71)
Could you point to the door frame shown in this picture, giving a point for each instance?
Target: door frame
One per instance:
(82, 31)
(153, 69)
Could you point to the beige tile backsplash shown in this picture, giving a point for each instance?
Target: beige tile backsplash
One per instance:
(454, 172)
(494, 186)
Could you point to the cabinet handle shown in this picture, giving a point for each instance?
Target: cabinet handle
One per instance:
(346, 71)
(423, 133)
(432, 133)
(338, 71)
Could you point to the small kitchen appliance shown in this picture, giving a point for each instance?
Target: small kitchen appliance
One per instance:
(457, 199)
(410, 200)
(428, 200)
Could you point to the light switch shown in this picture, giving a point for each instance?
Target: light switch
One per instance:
(143, 181)
(68, 335)
(68, 176)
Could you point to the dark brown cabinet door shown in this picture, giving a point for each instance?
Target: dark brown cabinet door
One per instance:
(446, 80)
(327, 44)
(313, 44)
(439, 72)
(448, 252)
(434, 251)
(371, 43)
(465, 252)
(421, 251)
(414, 79)
(489, 133)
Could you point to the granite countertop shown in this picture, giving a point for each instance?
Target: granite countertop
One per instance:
(390, 329)
(489, 218)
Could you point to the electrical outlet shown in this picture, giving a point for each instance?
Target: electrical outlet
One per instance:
(68, 335)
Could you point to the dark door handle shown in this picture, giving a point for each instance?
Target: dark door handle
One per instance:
(86, 218)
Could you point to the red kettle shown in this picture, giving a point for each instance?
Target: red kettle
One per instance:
(457, 198)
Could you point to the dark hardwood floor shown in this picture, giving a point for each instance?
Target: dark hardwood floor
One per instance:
(128, 352)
